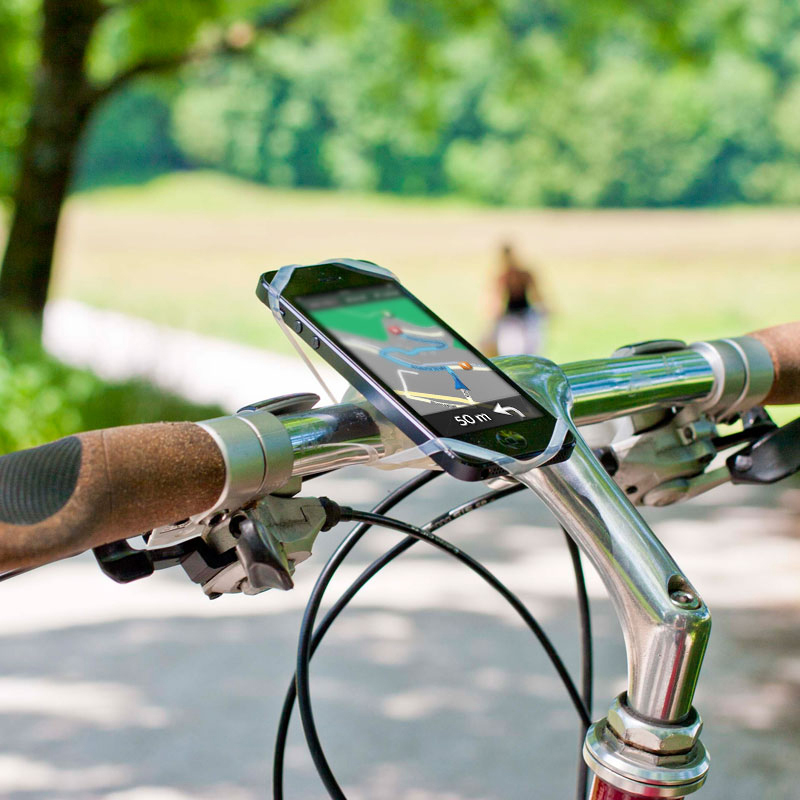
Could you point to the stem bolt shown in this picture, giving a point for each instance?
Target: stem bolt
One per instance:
(684, 598)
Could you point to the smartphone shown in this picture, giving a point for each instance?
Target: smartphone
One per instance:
(413, 367)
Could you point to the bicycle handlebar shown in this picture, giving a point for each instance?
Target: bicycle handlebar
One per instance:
(93, 488)
(97, 487)
(783, 344)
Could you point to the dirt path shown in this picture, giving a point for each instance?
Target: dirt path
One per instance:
(201, 368)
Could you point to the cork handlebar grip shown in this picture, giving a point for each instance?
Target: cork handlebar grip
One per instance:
(85, 490)
(783, 344)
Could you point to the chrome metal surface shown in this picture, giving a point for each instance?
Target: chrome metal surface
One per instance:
(660, 739)
(665, 644)
(615, 387)
(685, 598)
(743, 375)
(602, 390)
(665, 639)
(638, 572)
(333, 436)
(640, 772)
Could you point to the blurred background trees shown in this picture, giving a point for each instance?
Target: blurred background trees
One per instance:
(561, 111)
(553, 103)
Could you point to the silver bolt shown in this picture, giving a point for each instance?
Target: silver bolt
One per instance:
(685, 599)
(743, 463)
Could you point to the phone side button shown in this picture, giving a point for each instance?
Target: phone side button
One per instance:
(316, 343)
(298, 326)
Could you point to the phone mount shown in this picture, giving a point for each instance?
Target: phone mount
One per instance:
(413, 454)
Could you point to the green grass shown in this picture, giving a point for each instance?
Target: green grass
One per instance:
(187, 250)
(67, 400)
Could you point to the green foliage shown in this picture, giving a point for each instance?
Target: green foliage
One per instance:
(358, 106)
(558, 102)
(42, 399)
(151, 31)
(626, 134)
(18, 52)
(658, 107)
(140, 145)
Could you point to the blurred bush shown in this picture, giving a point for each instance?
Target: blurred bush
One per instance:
(43, 399)
(130, 140)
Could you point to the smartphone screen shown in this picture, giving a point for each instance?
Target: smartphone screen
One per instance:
(426, 364)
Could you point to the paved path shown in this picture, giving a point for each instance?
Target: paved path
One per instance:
(201, 368)
(428, 689)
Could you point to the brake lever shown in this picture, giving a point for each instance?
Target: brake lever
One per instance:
(124, 563)
(773, 457)
(255, 550)
(276, 534)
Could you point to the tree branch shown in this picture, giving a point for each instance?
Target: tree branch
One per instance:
(146, 67)
(237, 41)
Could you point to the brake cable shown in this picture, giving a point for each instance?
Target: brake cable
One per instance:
(350, 593)
(308, 644)
(587, 657)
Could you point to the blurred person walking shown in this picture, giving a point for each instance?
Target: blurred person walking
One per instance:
(519, 326)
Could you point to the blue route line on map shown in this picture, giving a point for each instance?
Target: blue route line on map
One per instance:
(432, 344)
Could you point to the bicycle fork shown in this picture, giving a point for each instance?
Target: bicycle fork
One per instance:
(647, 746)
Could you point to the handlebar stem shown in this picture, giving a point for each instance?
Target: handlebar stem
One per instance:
(665, 623)
(662, 616)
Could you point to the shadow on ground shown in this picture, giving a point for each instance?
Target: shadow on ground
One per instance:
(428, 689)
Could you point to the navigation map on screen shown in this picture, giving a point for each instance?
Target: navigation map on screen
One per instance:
(438, 375)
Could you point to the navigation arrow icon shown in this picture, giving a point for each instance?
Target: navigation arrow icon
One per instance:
(459, 384)
(498, 409)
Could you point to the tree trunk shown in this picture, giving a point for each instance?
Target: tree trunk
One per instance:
(61, 104)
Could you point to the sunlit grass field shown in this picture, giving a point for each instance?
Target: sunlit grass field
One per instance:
(187, 250)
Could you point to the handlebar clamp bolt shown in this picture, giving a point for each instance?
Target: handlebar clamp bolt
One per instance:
(683, 598)
(687, 434)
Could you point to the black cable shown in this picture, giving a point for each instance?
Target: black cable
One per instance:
(304, 644)
(748, 435)
(341, 552)
(587, 658)
(585, 622)
(495, 583)
(343, 601)
(304, 650)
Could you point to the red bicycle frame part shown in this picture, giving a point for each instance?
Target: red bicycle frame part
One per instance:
(604, 791)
